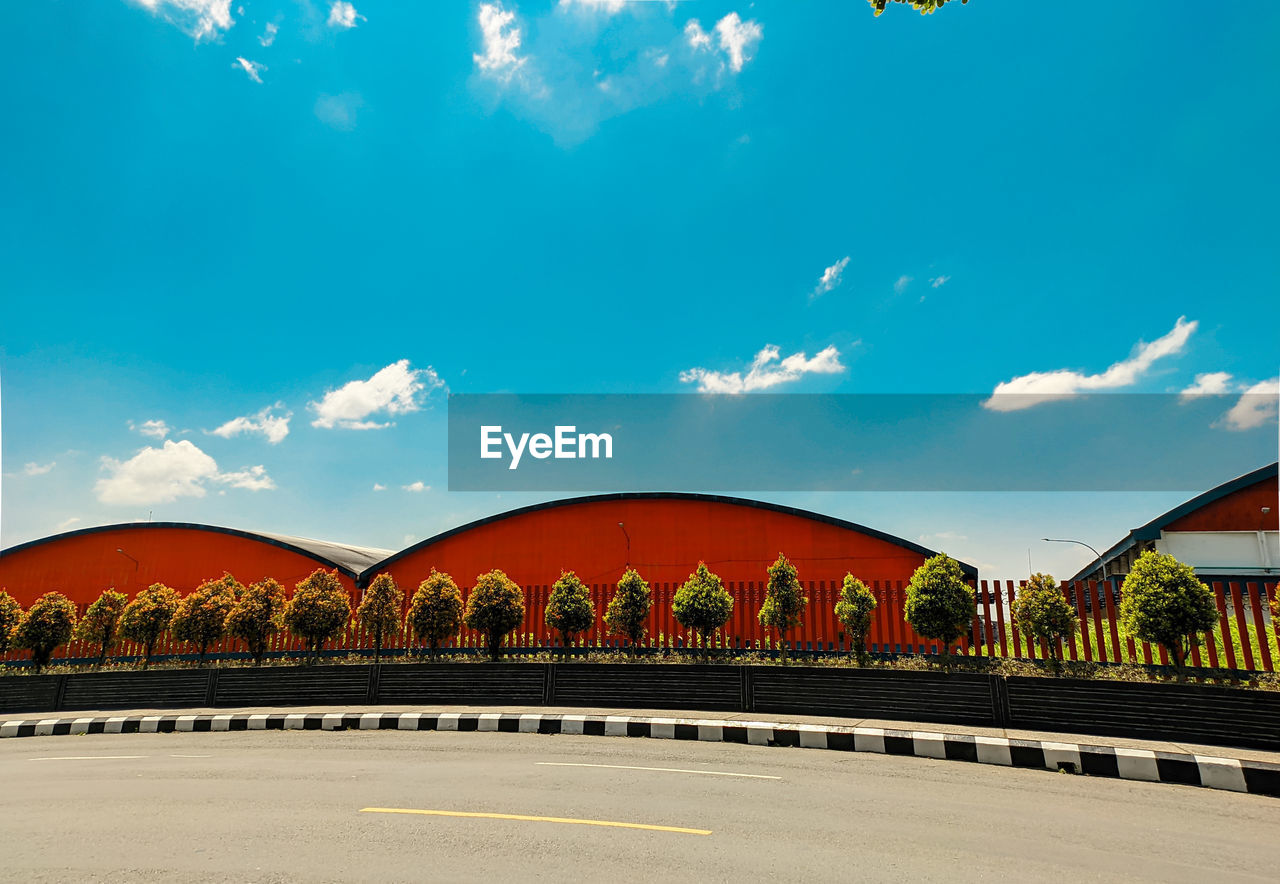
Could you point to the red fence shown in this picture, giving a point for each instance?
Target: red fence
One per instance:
(1244, 639)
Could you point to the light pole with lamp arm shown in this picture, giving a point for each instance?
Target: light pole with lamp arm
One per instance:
(1102, 568)
(628, 536)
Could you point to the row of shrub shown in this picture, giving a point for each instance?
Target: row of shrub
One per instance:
(1163, 602)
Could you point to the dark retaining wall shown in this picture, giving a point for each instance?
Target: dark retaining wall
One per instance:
(1194, 713)
(1184, 712)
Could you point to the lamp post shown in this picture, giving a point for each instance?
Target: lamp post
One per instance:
(136, 563)
(1102, 568)
(628, 536)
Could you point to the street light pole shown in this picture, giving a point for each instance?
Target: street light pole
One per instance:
(136, 563)
(628, 536)
(1102, 568)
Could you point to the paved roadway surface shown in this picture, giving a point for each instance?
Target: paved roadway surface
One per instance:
(278, 806)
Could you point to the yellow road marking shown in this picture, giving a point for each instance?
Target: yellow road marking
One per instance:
(710, 773)
(536, 819)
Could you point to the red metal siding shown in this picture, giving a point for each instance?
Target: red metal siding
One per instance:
(81, 566)
(1239, 511)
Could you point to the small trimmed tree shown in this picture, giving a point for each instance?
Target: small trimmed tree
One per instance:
(784, 601)
(257, 616)
(101, 622)
(703, 605)
(1042, 612)
(319, 610)
(148, 616)
(495, 606)
(940, 605)
(48, 623)
(924, 7)
(854, 613)
(201, 618)
(1163, 601)
(569, 609)
(628, 610)
(10, 617)
(1275, 612)
(379, 611)
(435, 613)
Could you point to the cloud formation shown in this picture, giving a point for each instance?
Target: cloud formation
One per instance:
(1258, 405)
(416, 487)
(343, 15)
(768, 369)
(156, 429)
(738, 39)
(1032, 389)
(162, 475)
(939, 281)
(253, 69)
(500, 38)
(900, 285)
(1208, 384)
(274, 427)
(202, 19)
(831, 277)
(393, 390)
(269, 35)
(37, 469)
(576, 65)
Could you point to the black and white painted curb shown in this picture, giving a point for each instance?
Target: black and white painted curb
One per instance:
(1100, 761)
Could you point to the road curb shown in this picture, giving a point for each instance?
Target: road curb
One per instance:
(1213, 772)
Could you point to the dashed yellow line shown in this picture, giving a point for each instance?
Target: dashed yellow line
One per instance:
(536, 819)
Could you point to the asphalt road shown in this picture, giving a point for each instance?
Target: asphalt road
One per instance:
(277, 806)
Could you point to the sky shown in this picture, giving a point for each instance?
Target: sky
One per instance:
(249, 249)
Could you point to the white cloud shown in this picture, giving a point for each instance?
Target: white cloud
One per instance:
(162, 475)
(1043, 386)
(567, 72)
(339, 111)
(698, 38)
(831, 277)
(156, 429)
(35, 469)
(1208, 384)
(253, 69)
(269, 35)
(738, 38)
(501, 40)
(343, 15)
(378, 486)
(767, 370)
(250, 478)
(416, 487)
(939, 281)
(609, 6)
(901, 284)
(1257, 406)
(392, 390)
(200, 18)
(67, 523)
(271, 425)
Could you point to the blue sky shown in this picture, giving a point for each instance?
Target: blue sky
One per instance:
(209, 209)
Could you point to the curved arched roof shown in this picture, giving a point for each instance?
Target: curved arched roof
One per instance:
(969, 570)
(348, 559)
(1151, 530)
